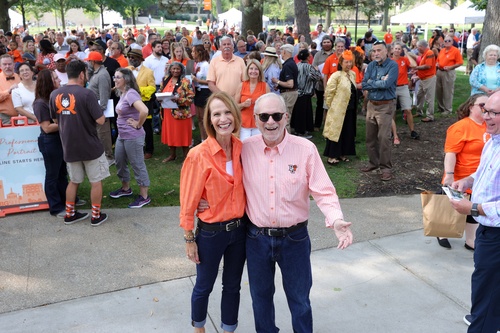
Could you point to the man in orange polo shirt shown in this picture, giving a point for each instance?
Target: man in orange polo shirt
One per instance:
(448, 60)
(388, 37)
(8, 82)
(426, 71)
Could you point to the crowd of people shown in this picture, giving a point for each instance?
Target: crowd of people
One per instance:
(252, 96)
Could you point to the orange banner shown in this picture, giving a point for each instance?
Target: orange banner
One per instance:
(207, 4)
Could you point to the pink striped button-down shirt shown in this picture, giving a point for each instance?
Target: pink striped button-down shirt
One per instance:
(279, 180)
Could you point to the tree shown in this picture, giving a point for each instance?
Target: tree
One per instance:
(480, 4)
(102, 5)
(370, 8)
(4, 13)
(251, 18)
(491, 26)
(302, 19)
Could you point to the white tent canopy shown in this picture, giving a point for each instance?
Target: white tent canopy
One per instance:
(426, 13)
(234, 17)
(466, 14)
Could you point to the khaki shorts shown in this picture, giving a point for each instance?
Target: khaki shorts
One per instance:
(96, 170)
(403, 96)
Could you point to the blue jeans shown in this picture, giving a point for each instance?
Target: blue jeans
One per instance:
(485, 284)
(292, 253)
(212, 246)
(56, 175)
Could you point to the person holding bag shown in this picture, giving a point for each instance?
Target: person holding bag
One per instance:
(464, 143)
(177, 126)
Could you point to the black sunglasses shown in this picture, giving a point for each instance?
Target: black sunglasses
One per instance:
(379, 42)
(264, 117)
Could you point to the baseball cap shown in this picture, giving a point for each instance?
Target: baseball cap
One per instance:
(94, 56)
(100, 43)
(58, 57)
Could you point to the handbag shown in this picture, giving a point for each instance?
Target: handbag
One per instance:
(439, 217)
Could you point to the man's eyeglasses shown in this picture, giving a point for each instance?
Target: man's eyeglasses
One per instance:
(492, 114)
(447, 41)
(264, 117)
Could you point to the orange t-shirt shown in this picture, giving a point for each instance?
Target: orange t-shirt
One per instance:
(388, 38)
(403, 67)
(428, 58)
(247, 117)
(466, 139)
(204, 176)
(449, 57)
(331, 65)
(16, 54)
(359, 74)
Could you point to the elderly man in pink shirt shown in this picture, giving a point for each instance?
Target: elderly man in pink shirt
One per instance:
(280, 172)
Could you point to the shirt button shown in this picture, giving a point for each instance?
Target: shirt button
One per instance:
(272, 192)
(271, 177)
(271, 161)
(272, 208)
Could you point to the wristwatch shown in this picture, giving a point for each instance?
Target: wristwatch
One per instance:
(474, 211)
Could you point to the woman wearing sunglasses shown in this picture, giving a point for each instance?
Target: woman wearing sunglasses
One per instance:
(212, 171)
(464, 143)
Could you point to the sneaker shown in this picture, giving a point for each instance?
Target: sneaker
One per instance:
(121, 193)
(414, 135)
(467, 319)
(98, 221)
(139, 202)
(80, 202)
(75, 218)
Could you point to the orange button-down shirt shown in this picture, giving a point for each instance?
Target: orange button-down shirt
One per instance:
(449, 57)
(331, 65)
(6, 105)
(279, 180)
(204, 176)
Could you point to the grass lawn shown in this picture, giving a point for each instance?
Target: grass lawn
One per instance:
(164, 177)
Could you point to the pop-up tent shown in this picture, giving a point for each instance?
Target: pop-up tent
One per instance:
(467, 14)
(428, 13)
(234, 17)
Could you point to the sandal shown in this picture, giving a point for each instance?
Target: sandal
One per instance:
(333, 161)
(344, 159)
(168, 159)
(396, 141)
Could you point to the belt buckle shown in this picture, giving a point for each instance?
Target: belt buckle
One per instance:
(230, 225)
(271, 231)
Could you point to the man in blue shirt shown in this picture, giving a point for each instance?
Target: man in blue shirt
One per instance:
(380, 81)
(485, 209)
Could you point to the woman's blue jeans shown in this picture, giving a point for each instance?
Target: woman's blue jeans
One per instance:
(212, 247)
(292, 254)
(56, 175)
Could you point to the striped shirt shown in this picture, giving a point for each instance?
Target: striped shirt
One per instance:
(204, 176)
(279, 180)
(486, 188)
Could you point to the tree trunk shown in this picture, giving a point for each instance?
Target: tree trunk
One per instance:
(218, 7)
(63, 12)
(491, 26)
(328, 19)
(101, 7)
(133, 10)
(4, 15)
(302, 19)
(252, 16)
(385, 22)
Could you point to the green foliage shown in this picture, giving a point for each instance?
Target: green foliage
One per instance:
(480, 4)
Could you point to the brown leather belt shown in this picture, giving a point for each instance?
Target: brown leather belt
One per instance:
(388, 101)
(287, 90)
(281, 232)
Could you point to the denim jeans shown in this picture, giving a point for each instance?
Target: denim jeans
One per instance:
(212, 246)
(56, 175)
(292, 254)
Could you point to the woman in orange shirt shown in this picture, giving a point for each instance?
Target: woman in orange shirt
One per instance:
(213, 172)
(464, 143)
(249, 91)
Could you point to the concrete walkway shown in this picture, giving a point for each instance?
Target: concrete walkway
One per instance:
(131, 275)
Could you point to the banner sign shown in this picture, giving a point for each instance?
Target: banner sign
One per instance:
(22, 171)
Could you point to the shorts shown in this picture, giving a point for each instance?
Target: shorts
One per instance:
(403, 96)
(201, 96)
(96, 170)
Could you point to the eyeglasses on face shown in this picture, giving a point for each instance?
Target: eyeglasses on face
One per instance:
(447, 41)
(491, 114)
(116, 77)
(264, 117)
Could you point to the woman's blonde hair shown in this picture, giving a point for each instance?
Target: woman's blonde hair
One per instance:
(230, 104)
(175, 45)
(259, 66)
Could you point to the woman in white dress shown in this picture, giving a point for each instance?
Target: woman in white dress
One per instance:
(24, 95)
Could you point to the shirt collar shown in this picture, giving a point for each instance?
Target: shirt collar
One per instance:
(281, 146)
(215, 147)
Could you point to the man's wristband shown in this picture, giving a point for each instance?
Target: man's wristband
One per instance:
(189, 239)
